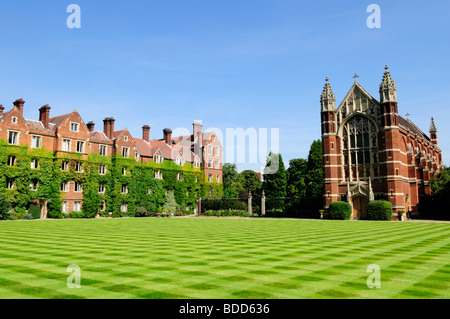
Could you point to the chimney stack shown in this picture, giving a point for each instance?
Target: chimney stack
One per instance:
(90, 126)
(146, 133)
(1, 109)
(106, 126)
(19, 104)
(198, 126)
(111, 127)
(168, 136)
(44, 115)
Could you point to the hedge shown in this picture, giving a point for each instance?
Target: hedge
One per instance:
(340, 210)
(379, 210)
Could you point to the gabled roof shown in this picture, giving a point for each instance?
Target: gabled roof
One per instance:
(357, 86)
(57, 121)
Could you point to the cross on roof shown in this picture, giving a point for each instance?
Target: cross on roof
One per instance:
(408, 115)
(356, 76)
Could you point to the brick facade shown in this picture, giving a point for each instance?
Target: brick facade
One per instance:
(69, 139)
(371, 152)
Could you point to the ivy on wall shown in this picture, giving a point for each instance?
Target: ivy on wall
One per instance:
(126, 182)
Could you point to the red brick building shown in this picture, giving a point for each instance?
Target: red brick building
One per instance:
(371, 152)
(72, 142)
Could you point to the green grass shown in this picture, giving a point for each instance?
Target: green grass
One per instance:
(223, 258)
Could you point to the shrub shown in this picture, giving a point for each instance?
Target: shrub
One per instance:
(5, 207)
(340, 210)
(379, 210)
(76, 215)
(141, 212)
(35, 211)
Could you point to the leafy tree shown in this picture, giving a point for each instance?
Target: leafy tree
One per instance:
(314, 176)
(5, 207)
(250, 181)
(275, 179)
(296, 178)
(231, 183)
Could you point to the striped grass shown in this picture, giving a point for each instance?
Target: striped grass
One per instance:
(197, 258)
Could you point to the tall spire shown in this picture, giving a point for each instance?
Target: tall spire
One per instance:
(388, 88)
(328, 99)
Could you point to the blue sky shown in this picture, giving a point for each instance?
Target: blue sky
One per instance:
(232, 64)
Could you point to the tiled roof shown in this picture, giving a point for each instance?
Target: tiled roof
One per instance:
(410, 126)
(149, 149)
(56, 121)
(35, 125)
(116, 134)
(98, 135)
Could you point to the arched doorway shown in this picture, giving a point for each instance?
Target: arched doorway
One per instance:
(359, 205)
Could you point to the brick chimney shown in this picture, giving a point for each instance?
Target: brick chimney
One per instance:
(198, 126)
(106, 125)
(111, 127)
(90, 126)
(44, 115)
(168, 135)
(19, 104)
(146, 133)
(1, 109)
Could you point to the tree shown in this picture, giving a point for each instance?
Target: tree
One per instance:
(275, 179)
(315, 176)
(250, 181)
(5, 207)
(231, 183)
(296, 178)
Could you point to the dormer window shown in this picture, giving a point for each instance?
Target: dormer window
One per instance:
(180, 161)
(74, 127)
(158, 159)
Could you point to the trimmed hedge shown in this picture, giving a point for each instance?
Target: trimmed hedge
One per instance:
(340, 210)
(379, 210)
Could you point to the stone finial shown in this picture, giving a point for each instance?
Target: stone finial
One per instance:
(388, 88)
(328, 99)
(433, 126)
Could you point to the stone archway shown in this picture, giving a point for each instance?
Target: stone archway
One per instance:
(359, 207)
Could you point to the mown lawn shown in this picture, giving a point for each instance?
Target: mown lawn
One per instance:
(223, 258)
